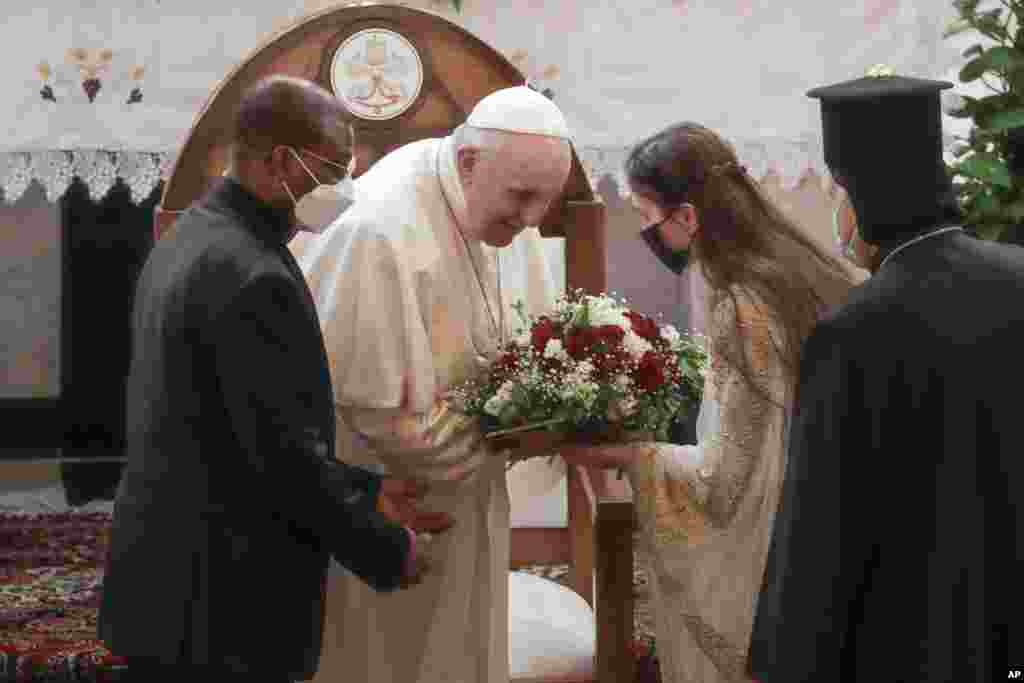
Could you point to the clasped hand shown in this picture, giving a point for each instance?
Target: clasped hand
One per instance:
(398, 501)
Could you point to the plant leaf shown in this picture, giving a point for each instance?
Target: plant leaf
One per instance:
(1004, 120)
(956, 28)
(457, 4)
(1002, 57)
(973, 69)
(990, 231)
(973, 50)
(1014, 211)
(985, 204)
(986, 168)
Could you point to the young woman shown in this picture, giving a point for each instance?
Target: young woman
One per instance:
(706, 510)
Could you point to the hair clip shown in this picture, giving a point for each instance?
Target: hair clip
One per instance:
(722, 169)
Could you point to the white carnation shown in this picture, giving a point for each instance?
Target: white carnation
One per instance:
(603, 311)
(555, 349)
(636, 345)
(670, 334)
(584, 370)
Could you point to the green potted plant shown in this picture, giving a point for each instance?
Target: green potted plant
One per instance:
(989, 165)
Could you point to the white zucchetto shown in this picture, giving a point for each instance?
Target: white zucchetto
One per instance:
(519, 110)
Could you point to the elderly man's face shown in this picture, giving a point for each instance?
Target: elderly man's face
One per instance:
(511, 188)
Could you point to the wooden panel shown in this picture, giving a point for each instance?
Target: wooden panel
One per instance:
(585, 259)
(539, 545)
(436, 112)
(614, 584)
(469, 74)
(581, 507)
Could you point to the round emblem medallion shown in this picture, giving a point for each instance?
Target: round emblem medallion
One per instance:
(377, 74)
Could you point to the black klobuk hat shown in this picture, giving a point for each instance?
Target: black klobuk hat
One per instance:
(883, 142)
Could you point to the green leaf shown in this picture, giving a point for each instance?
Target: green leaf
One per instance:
(973, 50)
(985, 205)
(997, 58)
(987, 168)
(1004, 120)
(457, 4)
(1002, 57)
(990, 231)
(973, 69)
(956, 27)
(966, 7)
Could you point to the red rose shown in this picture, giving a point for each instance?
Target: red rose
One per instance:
(543, 331)
(610, 334)
(504, 366)
(574, 345)
(643, 326)
(610, 363)
(650, 372)
(579, 341)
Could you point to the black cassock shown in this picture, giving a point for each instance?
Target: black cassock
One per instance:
(897, 551)
(232, 502)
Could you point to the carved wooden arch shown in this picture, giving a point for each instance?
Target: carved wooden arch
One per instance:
(459, 70)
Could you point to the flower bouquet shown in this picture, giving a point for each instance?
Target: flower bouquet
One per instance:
(590, 371)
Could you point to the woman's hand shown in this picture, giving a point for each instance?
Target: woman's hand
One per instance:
(603, 455)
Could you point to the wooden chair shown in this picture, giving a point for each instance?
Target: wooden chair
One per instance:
(597, 544)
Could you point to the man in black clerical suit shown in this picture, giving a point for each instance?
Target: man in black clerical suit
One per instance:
(897, 551)
(232, 503)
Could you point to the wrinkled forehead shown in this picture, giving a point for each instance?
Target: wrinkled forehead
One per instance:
(535, 162)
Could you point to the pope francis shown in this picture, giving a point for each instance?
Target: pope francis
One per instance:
(414, 286)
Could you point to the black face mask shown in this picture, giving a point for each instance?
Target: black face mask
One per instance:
(675, 261)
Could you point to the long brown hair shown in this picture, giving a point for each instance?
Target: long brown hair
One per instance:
(745, 242)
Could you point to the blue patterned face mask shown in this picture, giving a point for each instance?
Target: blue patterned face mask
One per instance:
(845, 247)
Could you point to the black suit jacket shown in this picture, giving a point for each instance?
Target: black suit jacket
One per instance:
(897, 554)
(232, 502)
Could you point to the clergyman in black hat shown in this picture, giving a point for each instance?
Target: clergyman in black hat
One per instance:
(897, 550)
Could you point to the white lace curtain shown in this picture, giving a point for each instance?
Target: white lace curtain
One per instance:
(102, 89)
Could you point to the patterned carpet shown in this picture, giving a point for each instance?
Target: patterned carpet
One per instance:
(51, 569)
(50, 578)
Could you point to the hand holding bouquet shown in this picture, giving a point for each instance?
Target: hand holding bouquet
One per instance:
(592, 370)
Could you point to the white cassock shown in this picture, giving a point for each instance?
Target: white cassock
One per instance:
(398, 298)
